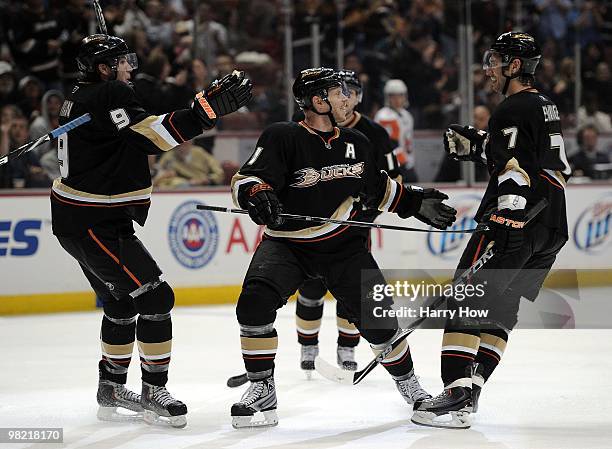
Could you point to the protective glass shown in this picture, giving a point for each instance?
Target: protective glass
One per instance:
(130, 58)
(493, 60)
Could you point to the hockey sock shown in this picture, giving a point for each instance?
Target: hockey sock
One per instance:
(399, 361)
(492, 346)
(308, 314)
(117, 339)
(258, 345)
(348, 334)
(459, 347)
(155, 347)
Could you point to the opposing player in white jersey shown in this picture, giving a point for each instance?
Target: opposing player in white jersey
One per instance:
(398, 122)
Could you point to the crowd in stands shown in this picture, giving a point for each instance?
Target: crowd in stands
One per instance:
(183, 44)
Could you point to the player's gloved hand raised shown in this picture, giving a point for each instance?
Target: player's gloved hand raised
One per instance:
(222, 97)
(465, 143)
(263, 205)
(507, 229)
(432, 210)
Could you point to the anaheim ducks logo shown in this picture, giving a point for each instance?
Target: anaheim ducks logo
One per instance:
(308, 177)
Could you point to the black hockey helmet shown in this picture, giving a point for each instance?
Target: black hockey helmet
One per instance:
(352, 81)
(103, 49)
(315, 82)
(513, 45)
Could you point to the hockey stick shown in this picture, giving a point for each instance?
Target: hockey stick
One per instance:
(100, 17)
(236, 381)
(339, 375)
(52, 135)
(360, 224)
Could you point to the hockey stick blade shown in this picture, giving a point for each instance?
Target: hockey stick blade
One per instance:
(52, 135)
(339, 375)
(236, 381)
(327, 370)
(359, 224)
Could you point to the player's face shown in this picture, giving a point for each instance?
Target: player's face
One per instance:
(353, 100)
(339, 101)
(397, 101)
(492, 65)
(125, 65)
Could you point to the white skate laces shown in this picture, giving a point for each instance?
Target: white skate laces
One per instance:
(345, 357)
(410, 388)
(257, 407)
(117, 403)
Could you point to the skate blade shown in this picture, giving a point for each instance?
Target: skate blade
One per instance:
(451, 420)
(308, 373)
(154, 419)
(268, 418)
(118, 414)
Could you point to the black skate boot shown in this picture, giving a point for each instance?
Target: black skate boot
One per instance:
(450, 409)
(477, 383)
(161, 408)
(309, 352)
(345, 357)
(257, 407)
(117, 403)
(410, 388)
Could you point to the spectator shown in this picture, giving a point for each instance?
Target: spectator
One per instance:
(35, 39)
(74, 18)
(31, 92)
(148, 83)
(8, 84)
(589, 114)
(603, 85)
(211, 35)
(48, 119)
(188, 165)
(563, 92)
(26, 169)
(588, 155)
(553, 19)
(224, 65)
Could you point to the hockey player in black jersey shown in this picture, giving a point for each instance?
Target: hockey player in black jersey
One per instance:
(310, 300)
(315, 168)
(526, 158)
(105, 185)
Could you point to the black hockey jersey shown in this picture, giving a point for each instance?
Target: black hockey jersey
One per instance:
(381, 142)
(526, 158)
(104, 163)
(320, 174)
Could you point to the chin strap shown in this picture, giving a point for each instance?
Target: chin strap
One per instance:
(328, 113)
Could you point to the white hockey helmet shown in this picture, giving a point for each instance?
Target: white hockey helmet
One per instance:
(395, 87)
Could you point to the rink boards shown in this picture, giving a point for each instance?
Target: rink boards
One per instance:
(204, 255)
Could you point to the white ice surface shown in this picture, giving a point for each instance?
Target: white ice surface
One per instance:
(553, 389)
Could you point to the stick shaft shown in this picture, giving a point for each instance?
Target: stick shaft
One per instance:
(361, 224)
(52, 135)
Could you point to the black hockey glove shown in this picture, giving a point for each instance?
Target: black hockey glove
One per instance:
(263, 205)
(222, 97)
(432, 210)
(506, 229)
(465, 143)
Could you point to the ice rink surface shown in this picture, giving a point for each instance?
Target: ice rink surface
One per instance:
(552, 390)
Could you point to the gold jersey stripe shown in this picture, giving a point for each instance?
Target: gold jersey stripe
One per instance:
(117, 349)
(306, 324)
(494, 341)
(152, 129)
(68, 192)
(258, 344)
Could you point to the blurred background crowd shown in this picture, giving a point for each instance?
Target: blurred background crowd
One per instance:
(182, 45)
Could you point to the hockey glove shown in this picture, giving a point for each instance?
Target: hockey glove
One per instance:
(432, 210)
(506, 229)
(465, 143)
(263, 205)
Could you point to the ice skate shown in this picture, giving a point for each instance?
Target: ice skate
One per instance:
(117, 403)
(257, 407)
(477, 383)
(450, 409)
(309, 352)
(410, 388)
(345, 357)
(161, 408)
